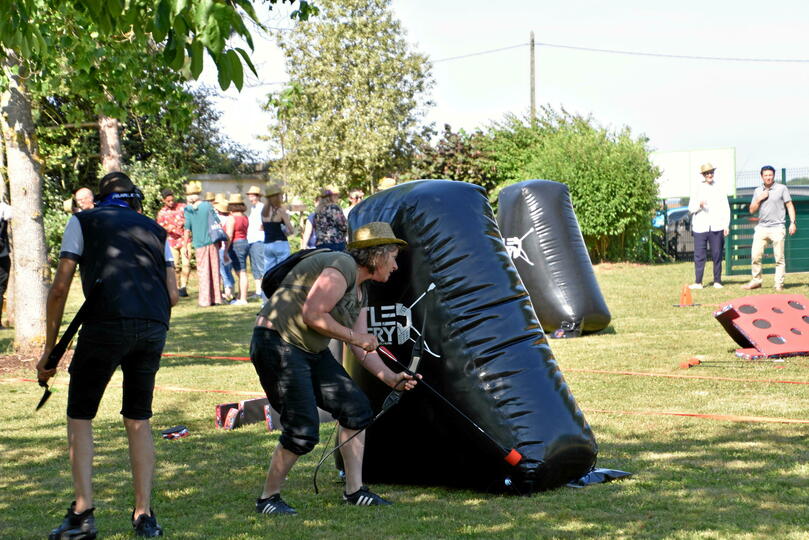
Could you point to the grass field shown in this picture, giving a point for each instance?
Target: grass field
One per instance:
(693, 477)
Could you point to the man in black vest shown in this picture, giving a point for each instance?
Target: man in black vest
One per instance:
(126, 326)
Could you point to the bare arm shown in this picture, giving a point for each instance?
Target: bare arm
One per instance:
(756, 202)
(230, 226)
(326, 291)
(793, 226)
(307, 233)
(54, 310)
(287, 222)
(171, 284)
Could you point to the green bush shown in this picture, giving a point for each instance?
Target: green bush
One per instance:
(611, 180)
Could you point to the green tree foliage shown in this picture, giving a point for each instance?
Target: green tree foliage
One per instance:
(456, 156)
(356, 97)
(611, 180)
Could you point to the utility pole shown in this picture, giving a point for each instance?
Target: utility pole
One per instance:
(533, 83)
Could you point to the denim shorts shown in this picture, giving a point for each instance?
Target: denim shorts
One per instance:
(297, 382)
(238, 255)
(275, 253)
(134, 344)
(257, 259)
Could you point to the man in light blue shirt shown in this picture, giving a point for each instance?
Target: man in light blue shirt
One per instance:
(771, 201)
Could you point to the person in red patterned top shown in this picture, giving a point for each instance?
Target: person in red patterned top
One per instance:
(172, 218)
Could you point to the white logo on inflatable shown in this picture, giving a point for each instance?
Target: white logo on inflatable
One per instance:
(515, 249)
(393, 324)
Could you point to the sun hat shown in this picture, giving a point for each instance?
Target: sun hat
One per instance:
(221, 206)
(221, 197)
(254, 190)
(386, 183)
(273, 189)
(706, 168)
(235, 198)
(376, 233)
(209, 196)
(193, 188)
(329, 190)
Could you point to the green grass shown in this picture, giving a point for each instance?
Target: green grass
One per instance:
(693, 477)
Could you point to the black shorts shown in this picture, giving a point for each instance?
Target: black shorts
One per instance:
(298, 382)
(134, 344)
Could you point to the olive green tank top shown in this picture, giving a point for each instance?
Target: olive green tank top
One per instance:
(284, 309)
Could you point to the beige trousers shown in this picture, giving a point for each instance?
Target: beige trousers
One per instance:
(761, 237)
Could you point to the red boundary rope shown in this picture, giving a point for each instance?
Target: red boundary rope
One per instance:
(572, 370)
(674, 376)
(722, 417)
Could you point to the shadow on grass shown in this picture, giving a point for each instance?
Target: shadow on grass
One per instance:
(741, 480)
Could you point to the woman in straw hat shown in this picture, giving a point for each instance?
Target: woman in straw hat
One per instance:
(322, 298)
(237, 243)
(274, 217)
(330, 225)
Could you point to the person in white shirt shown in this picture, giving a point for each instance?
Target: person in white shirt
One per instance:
(710, 224)
(255, 236)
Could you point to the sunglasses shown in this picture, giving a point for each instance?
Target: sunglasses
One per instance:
(709, 173)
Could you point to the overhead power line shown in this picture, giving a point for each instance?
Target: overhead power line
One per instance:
(633, 53)
(680, 56)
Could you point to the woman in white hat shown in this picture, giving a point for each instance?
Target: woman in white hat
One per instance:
(274, 220)
(322, 298)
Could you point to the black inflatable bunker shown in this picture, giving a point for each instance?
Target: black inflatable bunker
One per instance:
(543, 238)
(484, 351)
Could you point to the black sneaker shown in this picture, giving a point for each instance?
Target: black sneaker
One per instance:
(274, 505)
(364, 497)
(146, 526)
(182, 292)
(75, 526)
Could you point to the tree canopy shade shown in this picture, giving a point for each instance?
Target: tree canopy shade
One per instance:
(186, 28)
(357, 94)
(93, 45)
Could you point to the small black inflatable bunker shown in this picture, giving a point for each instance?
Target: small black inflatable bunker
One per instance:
(543, 238)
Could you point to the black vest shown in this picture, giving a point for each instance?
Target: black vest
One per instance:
(126, 251)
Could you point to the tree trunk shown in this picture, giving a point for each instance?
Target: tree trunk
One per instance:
(32, 276)
(109, 134)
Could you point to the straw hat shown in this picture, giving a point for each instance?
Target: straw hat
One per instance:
(220, 197)
(209, 196)
(235, 198)
(254, 190)
(386, 183)
(706, 168)
(221, 206)
(376, 233)
(193, 188)
(273, 189)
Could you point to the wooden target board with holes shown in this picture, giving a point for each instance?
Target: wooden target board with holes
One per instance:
(767, 326)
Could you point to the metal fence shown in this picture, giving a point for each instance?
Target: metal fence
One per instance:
(792, 176)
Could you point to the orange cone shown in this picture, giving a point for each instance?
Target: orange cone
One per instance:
(685, 298)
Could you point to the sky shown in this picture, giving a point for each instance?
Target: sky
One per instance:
(759, 108)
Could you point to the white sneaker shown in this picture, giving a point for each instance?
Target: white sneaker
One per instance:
(695, 286)
(239, 303)
(718, 286)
